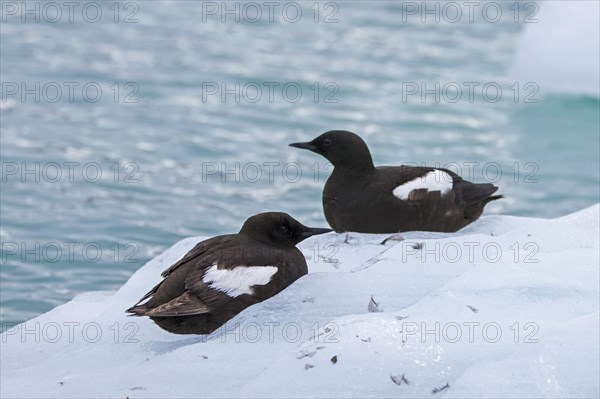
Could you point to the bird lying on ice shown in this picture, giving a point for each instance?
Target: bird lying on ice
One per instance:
(363, 198)
(223, 275)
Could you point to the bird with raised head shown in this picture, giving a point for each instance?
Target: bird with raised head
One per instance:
(223, 275)
(362, 198)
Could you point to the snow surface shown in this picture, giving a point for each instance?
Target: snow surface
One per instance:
(523, 294)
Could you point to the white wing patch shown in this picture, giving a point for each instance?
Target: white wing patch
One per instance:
(239, 280)
(436, 180)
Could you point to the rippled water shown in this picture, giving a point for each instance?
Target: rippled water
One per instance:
(182, 161)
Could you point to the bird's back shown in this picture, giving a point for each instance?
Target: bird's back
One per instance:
(211, 307)
(391, 199)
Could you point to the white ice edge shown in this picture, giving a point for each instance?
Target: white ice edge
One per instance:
(558, 49)
(552, 304)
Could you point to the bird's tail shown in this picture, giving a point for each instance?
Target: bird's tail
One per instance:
(476, 197)
(492, 198)
(473, 194)
(137, 310)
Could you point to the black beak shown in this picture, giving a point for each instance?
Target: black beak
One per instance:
(304, 146)
(313, 231)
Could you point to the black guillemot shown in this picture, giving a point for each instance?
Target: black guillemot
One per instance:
(362, 198)
(223, 275)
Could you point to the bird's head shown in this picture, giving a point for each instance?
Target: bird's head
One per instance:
(341, 148)
(278, 228)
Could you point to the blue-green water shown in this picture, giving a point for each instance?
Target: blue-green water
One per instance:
(177, 161)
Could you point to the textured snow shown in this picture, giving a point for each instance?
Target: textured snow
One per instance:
(508, 307)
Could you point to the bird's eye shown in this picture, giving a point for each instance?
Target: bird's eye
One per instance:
(326, 142)
(284, 229)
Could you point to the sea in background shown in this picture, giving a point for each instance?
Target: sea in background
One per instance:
(168, 119)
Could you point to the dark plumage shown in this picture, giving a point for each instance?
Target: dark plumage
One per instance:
(223, 275)
(362, 198)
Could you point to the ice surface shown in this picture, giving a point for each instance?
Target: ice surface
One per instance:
(508, 307)
(559, 47)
